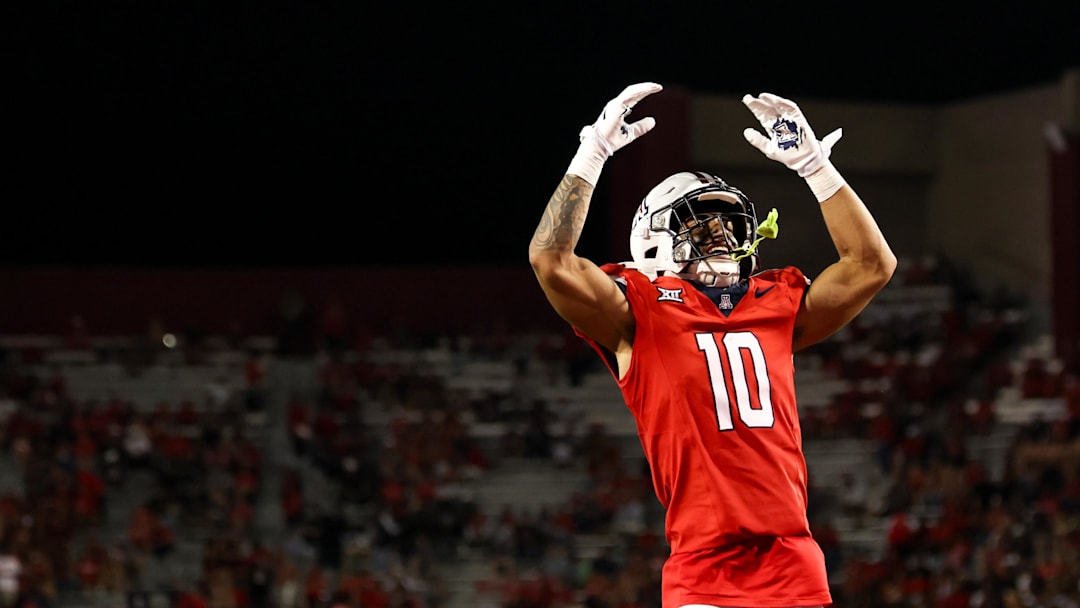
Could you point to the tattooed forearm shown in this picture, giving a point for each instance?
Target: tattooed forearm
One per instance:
(561, 224)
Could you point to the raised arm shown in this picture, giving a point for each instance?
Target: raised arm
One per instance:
(866, 262)
(577, 289)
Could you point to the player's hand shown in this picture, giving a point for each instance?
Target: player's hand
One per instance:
(611, 131)
(788, 137)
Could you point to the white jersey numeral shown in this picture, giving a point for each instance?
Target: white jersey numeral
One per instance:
(735, 345)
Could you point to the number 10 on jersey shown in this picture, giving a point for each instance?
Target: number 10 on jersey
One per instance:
(728, 352)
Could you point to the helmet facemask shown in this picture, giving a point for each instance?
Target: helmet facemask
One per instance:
(696, 226)
(710, 231)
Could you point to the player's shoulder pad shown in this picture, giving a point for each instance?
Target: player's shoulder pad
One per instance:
(613, 269)
(789, 275)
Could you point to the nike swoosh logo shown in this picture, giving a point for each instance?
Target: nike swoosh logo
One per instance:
(760, 292)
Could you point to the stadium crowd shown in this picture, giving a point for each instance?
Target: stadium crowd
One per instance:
(395, 448)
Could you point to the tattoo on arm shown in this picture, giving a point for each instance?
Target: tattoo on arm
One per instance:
(561, 224)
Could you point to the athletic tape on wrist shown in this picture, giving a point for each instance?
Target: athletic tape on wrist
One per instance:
(589, 160)
(825, 182)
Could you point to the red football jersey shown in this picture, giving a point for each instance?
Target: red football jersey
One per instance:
(711, 385)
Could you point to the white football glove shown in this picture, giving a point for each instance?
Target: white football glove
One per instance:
(611, 132)
(792, 142)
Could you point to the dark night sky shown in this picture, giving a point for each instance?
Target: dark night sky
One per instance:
(257, 134)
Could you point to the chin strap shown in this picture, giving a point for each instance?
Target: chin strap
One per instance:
(705, 273)
(765, 230)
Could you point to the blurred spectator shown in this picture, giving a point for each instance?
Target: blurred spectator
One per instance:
(335, 329)
(190, 599)
(316, 587)
(11, 571)
(287, 584)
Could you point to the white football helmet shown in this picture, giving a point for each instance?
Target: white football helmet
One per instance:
(693, 224)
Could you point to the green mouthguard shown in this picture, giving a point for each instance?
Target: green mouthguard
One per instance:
(767, 229)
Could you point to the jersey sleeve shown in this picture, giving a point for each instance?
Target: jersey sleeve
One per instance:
(793, 277)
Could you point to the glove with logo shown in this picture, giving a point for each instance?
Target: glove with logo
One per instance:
(611, 132)
(792, 142)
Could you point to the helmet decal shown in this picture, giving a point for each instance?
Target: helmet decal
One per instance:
(642, 213)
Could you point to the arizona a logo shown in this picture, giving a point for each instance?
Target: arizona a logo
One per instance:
(786, 133)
